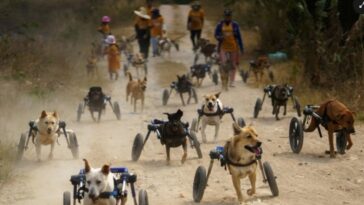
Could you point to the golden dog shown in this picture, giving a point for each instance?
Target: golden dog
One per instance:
(241, 161)
(258, 66)
(136, 88)
(336, 116)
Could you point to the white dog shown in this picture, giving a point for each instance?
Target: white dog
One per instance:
(47, 132)
(211, 114)
(100, 185)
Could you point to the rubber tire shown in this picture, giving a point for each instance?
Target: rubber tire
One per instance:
(21, 146)
(74, 145)
(296, 142)
(165, 97)
(194, 95)
(79, 112)
(341, 142)
(126, 68)
(196, 143)
(215, 77)
(117, 112)
(194, 125)
(66, 198)
(137, 147)
(297, 106)
(271, 179)
(257, 107)
(241, 122)
(199, 184)
(143, 197)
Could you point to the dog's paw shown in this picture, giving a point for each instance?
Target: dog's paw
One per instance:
(250, 192)
(349, 146)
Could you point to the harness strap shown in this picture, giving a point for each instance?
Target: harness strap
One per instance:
(236, 164)
(325, 117)
(219, 111)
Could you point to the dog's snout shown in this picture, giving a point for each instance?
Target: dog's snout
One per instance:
(259, 143)
(49, 130)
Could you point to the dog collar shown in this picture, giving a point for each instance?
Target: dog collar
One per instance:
(218, 111)
(236, 164)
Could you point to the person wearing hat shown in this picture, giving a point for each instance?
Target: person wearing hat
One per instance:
(104, 29)
(227, 33)
(142, 30)
(113, 56)
(157, 30)
(195, 22)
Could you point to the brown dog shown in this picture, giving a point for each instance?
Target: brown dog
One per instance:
(336, 116)
(258, 67)
(136, 88)
(241, 160)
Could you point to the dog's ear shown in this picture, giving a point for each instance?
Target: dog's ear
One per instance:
(236, 128)
(87, 166)
(145, 78)
(105, 169)
(178, 77)
(354, 113)
(43, 114)
(218, 94)
(55, 114)
(179, 114)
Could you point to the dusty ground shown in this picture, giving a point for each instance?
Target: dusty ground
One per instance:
(308, 178)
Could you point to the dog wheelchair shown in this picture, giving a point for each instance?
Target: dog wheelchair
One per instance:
(220, 112)
(200, 70)
(297, 128)
(96, 101)
(124, 178)
(70, 136)
(157, 127)
(180, 88)
(268, 90)
(201, 178)
(132, 62)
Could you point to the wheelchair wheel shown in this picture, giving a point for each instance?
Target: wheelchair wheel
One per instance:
(21, 146)
(125, 69)
(196, 144)
(165, 97)
(137, 147)
(194, 95)
(79, 111)
(296, 135)
(297, 106)
(143, 197)
(241, 122)
(341, 142)
(215, 77)
(257, 107)
(116, 109)
(66, 198)
(194, 125)
(74, 145)
(271, 179)
(199, 184)
(271, 75)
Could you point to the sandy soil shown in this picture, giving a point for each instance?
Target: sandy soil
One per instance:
(310, 177)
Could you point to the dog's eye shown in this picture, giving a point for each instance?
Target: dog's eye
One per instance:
(213, 100)
(249, 137)
(88, 182)
(98, 182)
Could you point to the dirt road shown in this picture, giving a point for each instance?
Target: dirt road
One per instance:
(308, 178)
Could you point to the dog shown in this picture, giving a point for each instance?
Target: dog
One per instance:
(211, 114)
(257, 67)
(136, 88)
(98, 181)
(165, 45)
(239, 152)
(225, 70)
(47, 132)
(96, 101)
(174, 135)
(183, 85)
(280, 95)
(209, 50)
(138, 62)
(199, 71)
(91, 66)
(336, 116)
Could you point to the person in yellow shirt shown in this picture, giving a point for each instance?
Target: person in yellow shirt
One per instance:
(142, 30)
(195, 22)
(227, 33)
(157, 30)
(113, 56)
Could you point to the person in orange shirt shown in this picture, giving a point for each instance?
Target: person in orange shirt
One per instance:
(104, 29)
(195, 22)
(157, 30)
(227, 33)
(142, 30)
(113, 56)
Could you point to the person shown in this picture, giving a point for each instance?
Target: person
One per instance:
(157, 30)
(113, 56)
(227, 33)
(195, 22)
(142, 30)
(104, 29)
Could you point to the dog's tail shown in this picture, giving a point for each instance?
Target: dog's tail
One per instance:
(130, 76)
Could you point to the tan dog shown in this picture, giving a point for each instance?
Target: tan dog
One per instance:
(47, 133)
(138, 62)
(258, 66)
(91, 66)
(211, 109)
(241, 162)
(136, 88)
(338, 117)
